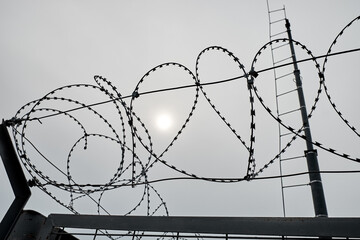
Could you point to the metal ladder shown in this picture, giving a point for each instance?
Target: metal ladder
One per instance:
(286, 94)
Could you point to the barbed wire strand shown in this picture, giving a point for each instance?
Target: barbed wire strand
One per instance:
(110, 91)
(194, 85)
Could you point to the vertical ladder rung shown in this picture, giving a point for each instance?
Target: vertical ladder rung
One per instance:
(285, 75)
(277, 21)
(297, 185)
(289, 133)
(276, 34)
(284, 93)
(282, 60)
(277, 10)
(291, 158)
(289, 112)
(280, 46)
(285, 134)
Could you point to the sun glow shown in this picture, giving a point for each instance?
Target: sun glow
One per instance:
(164, 122)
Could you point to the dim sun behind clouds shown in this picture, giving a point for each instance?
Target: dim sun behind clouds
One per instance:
(164, 121)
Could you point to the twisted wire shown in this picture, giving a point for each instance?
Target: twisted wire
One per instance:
(134, 170)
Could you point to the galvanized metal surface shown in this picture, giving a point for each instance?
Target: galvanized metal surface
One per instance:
(278, 226)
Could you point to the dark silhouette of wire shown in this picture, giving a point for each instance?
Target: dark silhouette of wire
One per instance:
(116, 98)
(309, 59)
(42, 155)
(62, 172)
(191, 85)
(221, 180)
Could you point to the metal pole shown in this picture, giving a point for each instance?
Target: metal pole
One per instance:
(311, 154)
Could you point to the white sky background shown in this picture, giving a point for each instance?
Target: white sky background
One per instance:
(48, 44)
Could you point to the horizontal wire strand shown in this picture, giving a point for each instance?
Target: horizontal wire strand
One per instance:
(194, 85)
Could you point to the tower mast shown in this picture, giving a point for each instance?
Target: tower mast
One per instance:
(311, 154)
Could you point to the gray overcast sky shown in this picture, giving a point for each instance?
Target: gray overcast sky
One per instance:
(48, 44)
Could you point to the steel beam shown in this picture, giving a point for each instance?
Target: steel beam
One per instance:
(17, 180)
(271, 226)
